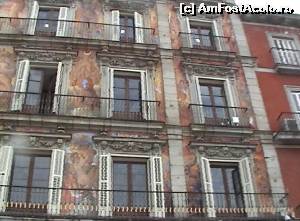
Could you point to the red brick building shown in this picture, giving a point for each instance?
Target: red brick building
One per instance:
(274, 44)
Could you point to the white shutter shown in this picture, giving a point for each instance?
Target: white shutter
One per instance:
(20, 85)
(145, 104)
(248, 190)
(217, 39)
(208, 187)
(58, 89)
(104, 195)
(106, 79)
(33, 18)
(139, 24)
(62, 22)
(6, 158)
(55, 181)
(115, 29)
(152, 105)
(157, 186)
(186, 32)
(111, 93)
(198, 111)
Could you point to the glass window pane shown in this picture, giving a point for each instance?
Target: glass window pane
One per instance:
(134, 83)
(204, 90)
(219, 101)
(119, 82)
(206, 100)
(217, 91)
(35, 75)
(34, 87)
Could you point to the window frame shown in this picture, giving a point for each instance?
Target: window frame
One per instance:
(272, 35)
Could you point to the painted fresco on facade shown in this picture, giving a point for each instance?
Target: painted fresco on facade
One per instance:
(81, 171)
(84, 81)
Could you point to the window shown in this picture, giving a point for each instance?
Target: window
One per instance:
(226, 181)
(30, 179)
(285, 51)
(214, 103)
(40, 90)
(35, 88)
(127, 27)
(47, 21)
(130, 179)
(202, 37)
(227, 185)
(130, 183)
(127, 92)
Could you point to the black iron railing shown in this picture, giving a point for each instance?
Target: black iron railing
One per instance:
(205, 42)
(289, 122)
(220, 115)
(284, 56)
(92, 203)
(74, 105)
(76, 29)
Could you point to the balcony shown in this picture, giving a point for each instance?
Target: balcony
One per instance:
(286, 60)
(289, 128)
(219, 118)
(18, 106)
(209, 46)
(37, 202)
(75, 31)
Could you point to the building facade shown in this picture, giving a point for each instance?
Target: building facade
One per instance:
(127, 109)
(274, 41)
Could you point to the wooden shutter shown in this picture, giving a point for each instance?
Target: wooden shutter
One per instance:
(111, 93)
(33, 18)
(216, 39)
(105, 92)
(6, 158)
(62, 22)
(58, 89)
(157, 186)
(115, 29)
(248, 189)
(20, 85)
(104, 195)
(139, 24)
(208, 187)
(55, 181)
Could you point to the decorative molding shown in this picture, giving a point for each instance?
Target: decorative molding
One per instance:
(45, 56)
(56, 3)
(126, 63)
(224, 152)
(39, 142)
(130, 6)
(129, 146)
(209, 71)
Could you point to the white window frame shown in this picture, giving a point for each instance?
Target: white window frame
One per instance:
(212, 211)
(155, 212)
(275, 55)
(229, 92)
(146, 106)
(289, 90)
(213, 24)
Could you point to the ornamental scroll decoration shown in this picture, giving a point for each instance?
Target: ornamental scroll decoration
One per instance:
(46, 56)
(224, 152)
(129, 146)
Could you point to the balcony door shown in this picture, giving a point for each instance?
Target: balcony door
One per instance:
(40, 91)
(130, 184)
(227, 187)
(202, 37)
(127, 96)
(214, 103)
(30, 179)
(47, 21)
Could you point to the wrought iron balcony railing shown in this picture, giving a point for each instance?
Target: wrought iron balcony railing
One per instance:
(93, 203)
(289, 122)
(76, 29)
(220, 116)
(205, 42)
(287, 57)
(82, 106)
